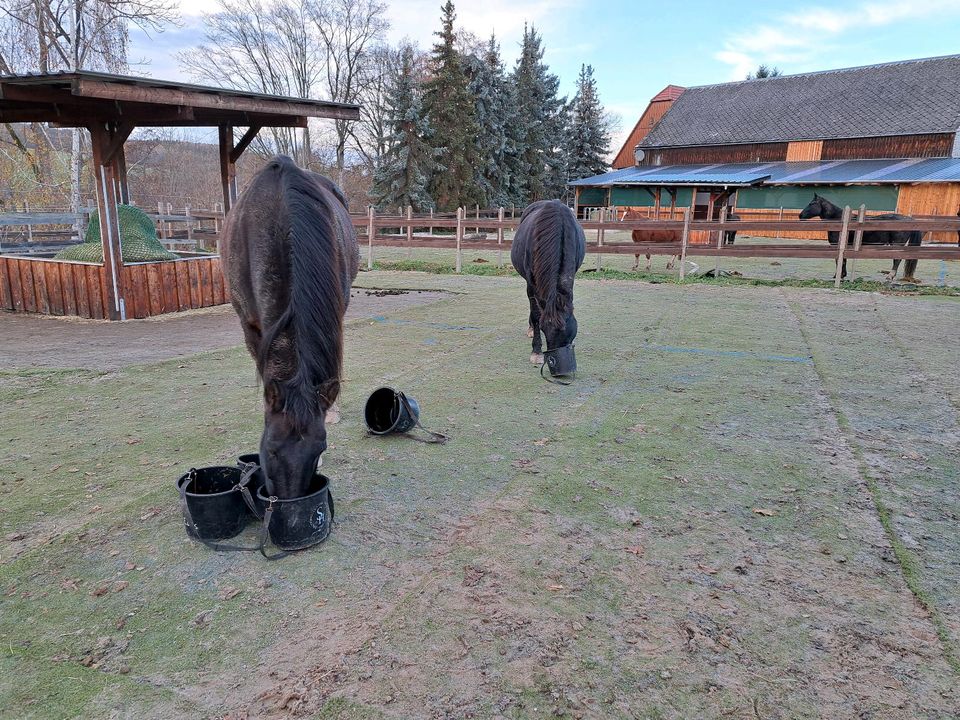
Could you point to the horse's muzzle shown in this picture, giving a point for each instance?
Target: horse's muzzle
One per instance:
(561, 360)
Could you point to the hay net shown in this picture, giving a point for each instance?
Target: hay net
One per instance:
(138, 239)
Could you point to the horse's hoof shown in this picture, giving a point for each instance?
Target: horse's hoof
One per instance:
(911, 280)
(529, 332)
(333, 416)
(536, 359)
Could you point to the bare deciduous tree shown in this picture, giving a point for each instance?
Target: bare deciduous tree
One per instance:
(350, 31)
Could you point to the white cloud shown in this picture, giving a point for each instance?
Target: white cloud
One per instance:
(800, 38)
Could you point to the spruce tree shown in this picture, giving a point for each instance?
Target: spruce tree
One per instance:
(588, 142)
(540, 125)
(405, 169)
(451, 114)
(492, 109)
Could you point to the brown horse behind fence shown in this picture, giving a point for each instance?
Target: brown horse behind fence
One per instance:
(653, 235)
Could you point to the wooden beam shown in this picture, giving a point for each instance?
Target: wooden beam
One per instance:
(118, 137)
(192, 98)
(109, 222)
(228, 170)
(247, 138)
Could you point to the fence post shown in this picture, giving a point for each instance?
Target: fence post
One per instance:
(26, 209)
(683, 243)
(186, 211)
(720, 234)
(500, 238)
(603, 212)
(842, 246)
(409, 231)
(431, 217)
(371, 229)
(478, 219)
(779, 219)
(460, 214)
(163, 225)
(857, 240)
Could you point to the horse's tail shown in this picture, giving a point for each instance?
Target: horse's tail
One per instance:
(315, 309)
(553, 262)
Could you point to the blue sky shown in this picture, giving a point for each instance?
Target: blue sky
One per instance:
(638, 47)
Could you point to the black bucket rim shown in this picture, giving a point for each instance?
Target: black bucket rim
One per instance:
(397, 395)
(186, 476)
(325, 487)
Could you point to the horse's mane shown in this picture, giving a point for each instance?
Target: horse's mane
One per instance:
(315, 309)
(550, 235)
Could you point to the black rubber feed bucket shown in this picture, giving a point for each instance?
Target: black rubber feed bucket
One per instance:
(251, 461)
(213, 506)
(299, 523)
(390, 411)
(561, 360)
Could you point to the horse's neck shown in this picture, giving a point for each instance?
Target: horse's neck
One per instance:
(830, 211)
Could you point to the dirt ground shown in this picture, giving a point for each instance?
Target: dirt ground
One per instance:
(744, 507)
(50, 342)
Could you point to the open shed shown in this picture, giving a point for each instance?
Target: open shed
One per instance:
(110, 107)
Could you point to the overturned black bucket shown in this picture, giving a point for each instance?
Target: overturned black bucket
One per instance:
(213, 504)
(390, 411)
(299, 523)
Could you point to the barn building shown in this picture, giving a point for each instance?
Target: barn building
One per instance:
(885, 136)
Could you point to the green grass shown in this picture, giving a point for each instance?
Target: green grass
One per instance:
(590, 550)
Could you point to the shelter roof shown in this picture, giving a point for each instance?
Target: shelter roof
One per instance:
(81, 98)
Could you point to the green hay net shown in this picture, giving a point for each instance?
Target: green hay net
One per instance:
(138, 239)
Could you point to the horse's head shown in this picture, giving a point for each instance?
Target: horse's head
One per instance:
(561, 331)
(292, 444)
(813, 209)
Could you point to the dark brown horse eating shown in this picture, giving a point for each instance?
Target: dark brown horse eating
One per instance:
(290, 255)
(653, 235)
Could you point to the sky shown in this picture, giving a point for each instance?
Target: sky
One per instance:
(637, 47)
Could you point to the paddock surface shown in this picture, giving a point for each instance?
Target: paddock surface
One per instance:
(745, 507)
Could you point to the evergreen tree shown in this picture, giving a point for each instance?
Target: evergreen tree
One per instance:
(539, 123)
(588, 142)
(451, 113)
(492, 109)
(403, 174)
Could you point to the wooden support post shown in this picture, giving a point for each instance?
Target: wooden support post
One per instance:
(603, 212)
(656, 205)
(409, 231)
(500, 238)
(228, 169)
(684, 239)
(779, 220)
(720, 234)
(478, 219)
(431, 226)
(160, 222)
(710, 205)
(120, 169)
(842, 246)
(186, 212)
(216, 218)
(460, 214)
(26, 209)
(371, 229)
(576, 202)
(100, 137)
(857, 241)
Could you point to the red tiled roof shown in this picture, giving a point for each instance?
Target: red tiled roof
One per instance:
(670, 92)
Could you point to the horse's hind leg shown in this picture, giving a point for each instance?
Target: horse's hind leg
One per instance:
(648, 261)
(536, 357)
(909, 268)
(636, 263)
(671, 261)
(893, 271)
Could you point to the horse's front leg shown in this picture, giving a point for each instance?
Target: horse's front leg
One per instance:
(636, 263)
(649, 261)
(536, 357)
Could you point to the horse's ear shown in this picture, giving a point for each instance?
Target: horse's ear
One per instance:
(816, 197)
(328, 392)
(272, 397)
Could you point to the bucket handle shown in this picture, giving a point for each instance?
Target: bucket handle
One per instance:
(551, 380)
(265, 527)
(435, 437)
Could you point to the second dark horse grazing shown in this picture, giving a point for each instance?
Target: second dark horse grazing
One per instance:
(822, 208)
(547, 251)
(290, 254)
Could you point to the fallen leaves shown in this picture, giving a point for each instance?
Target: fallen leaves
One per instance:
(541, 442)
(634, 550)
(556, 587)
(766, 512)
(14, 536)
(228, 593)
(639, 428)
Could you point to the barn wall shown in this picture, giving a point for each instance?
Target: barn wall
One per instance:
(61, 287)
(807, 150)
(758, 152)
(875, 197)
(651, 116)
(593, 197)
(899, 146)
(931, 199)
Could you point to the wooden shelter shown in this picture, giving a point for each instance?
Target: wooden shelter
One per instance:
(110, 107)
